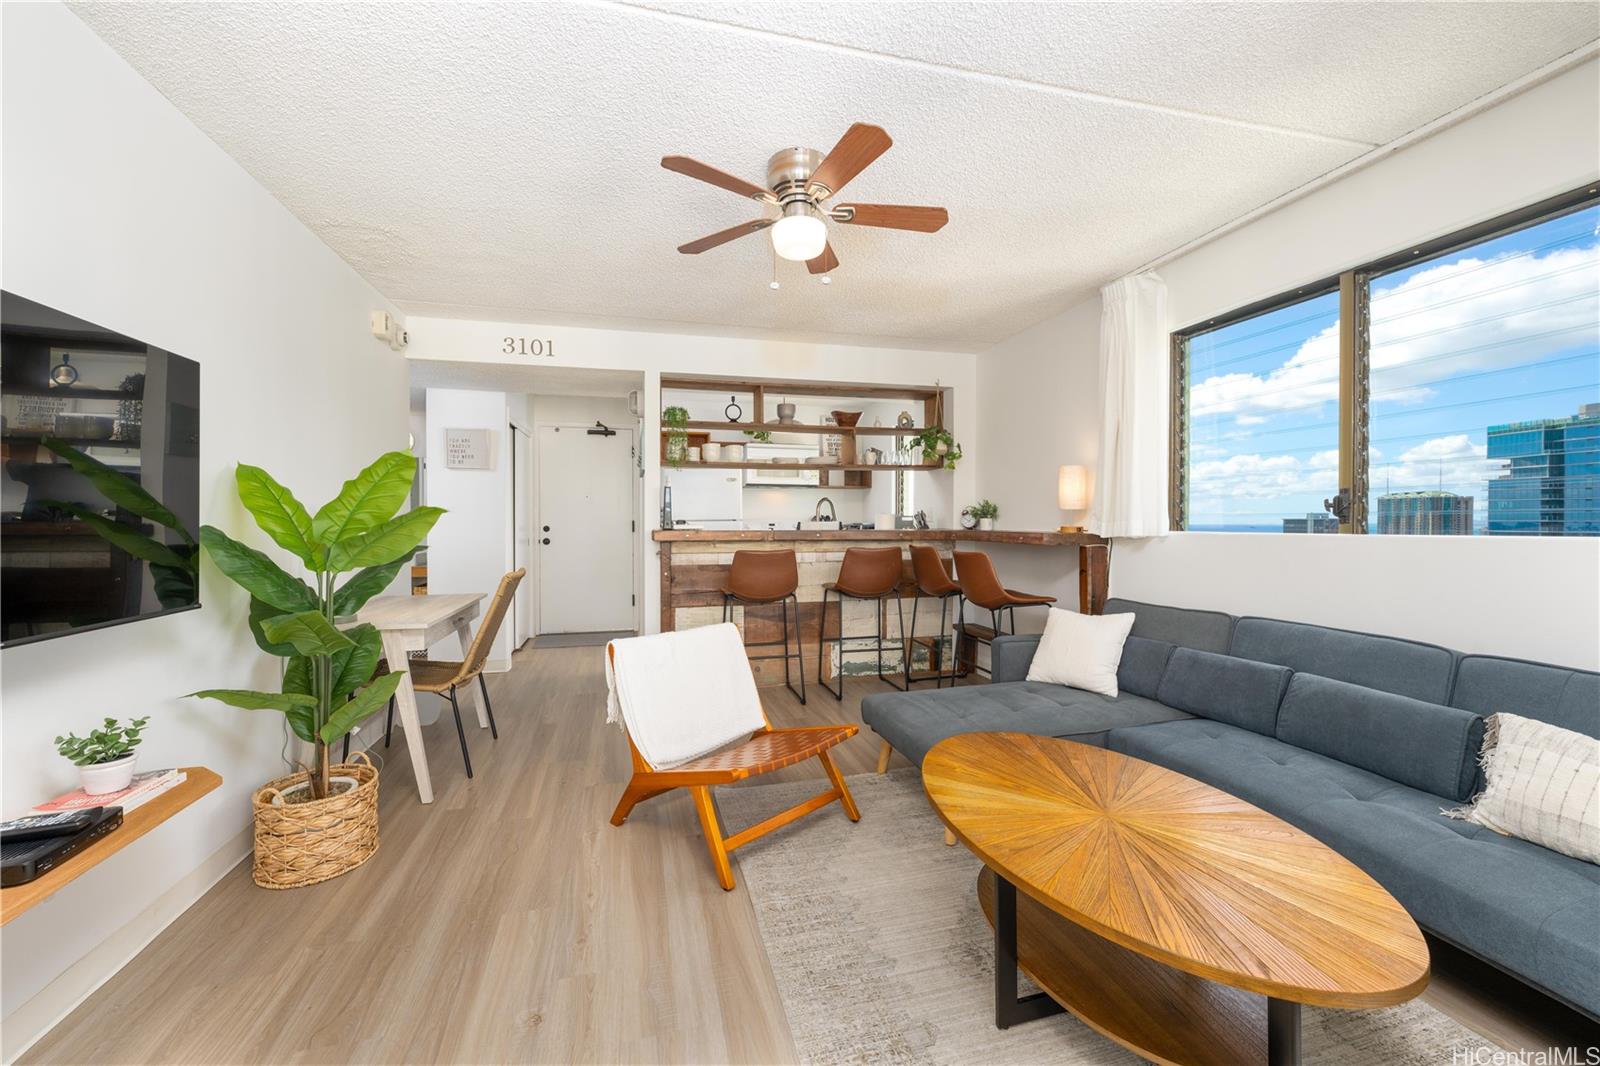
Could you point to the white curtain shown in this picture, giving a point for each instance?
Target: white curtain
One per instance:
(1130, 491)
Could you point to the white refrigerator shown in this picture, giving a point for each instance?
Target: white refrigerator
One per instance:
(706, 499)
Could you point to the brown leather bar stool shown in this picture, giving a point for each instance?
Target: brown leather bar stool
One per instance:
(865, 574)
(934, 582)
(762, 577)
(980, 585)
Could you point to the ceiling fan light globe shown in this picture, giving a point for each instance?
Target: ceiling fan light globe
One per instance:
(799, 237)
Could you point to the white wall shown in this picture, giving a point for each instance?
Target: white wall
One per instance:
(654, 353)
(1039, 409)
(1531, 598)
(120, 211)
(469, 549)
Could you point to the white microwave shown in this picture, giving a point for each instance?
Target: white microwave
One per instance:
(782, 473)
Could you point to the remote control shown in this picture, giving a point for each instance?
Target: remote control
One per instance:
(40, 826)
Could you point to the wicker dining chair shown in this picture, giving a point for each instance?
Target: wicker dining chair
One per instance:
(442, 678)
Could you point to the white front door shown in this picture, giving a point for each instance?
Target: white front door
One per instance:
(585, 535)
(521, 534)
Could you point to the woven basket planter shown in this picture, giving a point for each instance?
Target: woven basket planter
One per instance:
(304, 843)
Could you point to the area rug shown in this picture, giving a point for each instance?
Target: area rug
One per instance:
(881, 954)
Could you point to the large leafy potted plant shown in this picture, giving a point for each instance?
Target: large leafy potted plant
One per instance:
(309, 829)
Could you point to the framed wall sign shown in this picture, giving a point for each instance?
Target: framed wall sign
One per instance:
(467, 449)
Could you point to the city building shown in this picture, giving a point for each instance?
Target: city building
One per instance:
(1551, 483)
(1312, 523)
(1432, 513)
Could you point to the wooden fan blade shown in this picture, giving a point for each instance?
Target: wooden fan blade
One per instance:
(724, 236)
(823, 263)
(856, 150)
(896, 216)
(721, 179)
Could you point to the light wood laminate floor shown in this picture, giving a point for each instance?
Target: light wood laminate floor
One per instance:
(509, 922)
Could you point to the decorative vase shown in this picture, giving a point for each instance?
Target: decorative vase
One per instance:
(786, 412)
(677, 448)
(105, 777)
(986, 524)
(304, 843)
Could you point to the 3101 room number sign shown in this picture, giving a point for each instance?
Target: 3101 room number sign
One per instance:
(537, 347)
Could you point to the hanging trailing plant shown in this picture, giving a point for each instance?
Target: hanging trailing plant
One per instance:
(938, 446)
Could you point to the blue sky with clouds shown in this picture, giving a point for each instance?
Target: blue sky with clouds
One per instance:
(1504, 331)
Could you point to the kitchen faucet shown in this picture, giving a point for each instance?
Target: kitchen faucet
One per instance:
(816, 515)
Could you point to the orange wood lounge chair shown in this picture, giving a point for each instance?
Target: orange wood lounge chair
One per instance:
(767, 749)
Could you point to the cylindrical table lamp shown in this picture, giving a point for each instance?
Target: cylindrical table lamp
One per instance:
(1072, 492)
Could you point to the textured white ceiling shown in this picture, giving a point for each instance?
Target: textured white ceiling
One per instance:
(503, 160)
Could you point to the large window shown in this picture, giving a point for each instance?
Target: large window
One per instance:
(1451, 390)
(1263, 420)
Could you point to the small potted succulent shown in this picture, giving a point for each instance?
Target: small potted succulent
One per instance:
(105, 758)
(985, 511)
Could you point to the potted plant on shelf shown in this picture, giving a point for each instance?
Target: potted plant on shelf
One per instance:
(985, 511)
(105, 758)
(938, 446)
(675, 419)
(310, 826)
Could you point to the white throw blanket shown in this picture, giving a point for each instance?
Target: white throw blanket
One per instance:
(682, 694)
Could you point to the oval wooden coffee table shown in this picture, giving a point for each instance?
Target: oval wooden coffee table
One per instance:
(1175, 919)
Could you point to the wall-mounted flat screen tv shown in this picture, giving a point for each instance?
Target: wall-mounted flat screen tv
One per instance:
(100, 486)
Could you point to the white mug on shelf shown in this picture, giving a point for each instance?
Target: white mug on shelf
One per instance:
(712, 452)
(733, 453)
(694, 455)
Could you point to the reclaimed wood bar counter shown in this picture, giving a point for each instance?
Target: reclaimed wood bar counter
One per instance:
(694, 568)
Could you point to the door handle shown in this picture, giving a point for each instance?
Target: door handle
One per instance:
(545, 540)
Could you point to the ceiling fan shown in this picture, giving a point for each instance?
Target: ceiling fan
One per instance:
(799, 181)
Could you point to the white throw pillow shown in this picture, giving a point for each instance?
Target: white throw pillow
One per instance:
(1543, 786)
(1081, 650)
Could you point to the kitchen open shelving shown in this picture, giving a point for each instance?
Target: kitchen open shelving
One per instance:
(758, 465)
(796, 427)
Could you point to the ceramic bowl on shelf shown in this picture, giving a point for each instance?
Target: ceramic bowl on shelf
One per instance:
(846, 418)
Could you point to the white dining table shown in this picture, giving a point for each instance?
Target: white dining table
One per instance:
(416, 623)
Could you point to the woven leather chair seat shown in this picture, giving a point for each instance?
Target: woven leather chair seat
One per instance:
(765, 752)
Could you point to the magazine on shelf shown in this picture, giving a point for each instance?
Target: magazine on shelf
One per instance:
(143, 788)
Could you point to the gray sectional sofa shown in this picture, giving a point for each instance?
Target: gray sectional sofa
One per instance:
(1360, 740)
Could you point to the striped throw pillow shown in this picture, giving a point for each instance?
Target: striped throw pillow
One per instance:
(1543, 786)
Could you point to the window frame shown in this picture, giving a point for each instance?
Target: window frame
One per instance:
(1355, 343)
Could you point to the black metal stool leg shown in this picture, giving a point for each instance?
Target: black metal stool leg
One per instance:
(905, 644)
(879, 613)
(488, 707)
(959, 636)
(346, 756)
(822, 631)
(910, 642)
(388, 724)
(938, 677)
(799, 648)
(460, 731)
